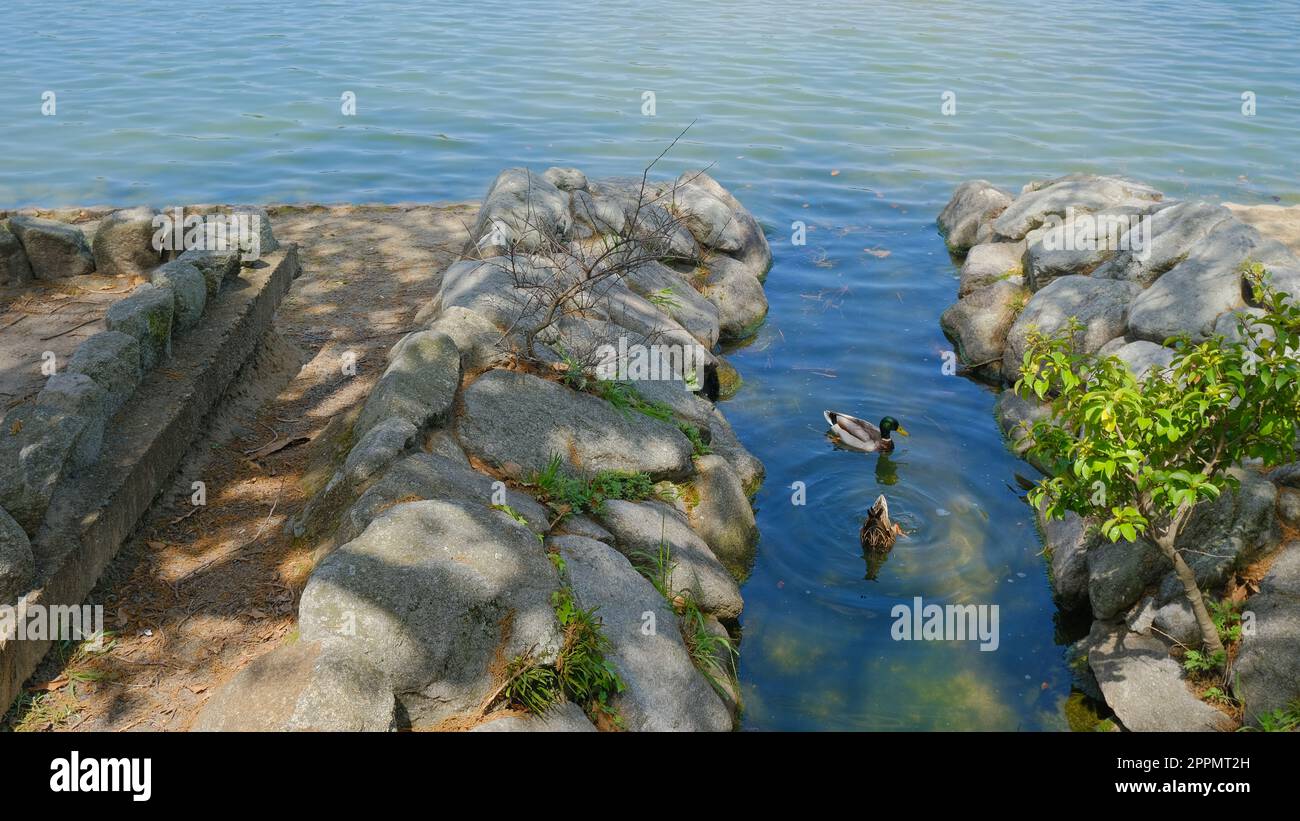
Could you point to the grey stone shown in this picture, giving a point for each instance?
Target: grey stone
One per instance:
(1284, 576)
(418, 386)
(426, 476)
(189, 292)
(1288, 506)
(641, 529)
(562, 718)
(1077, 246)
(1083, 193)
(54, 249)
(738, 296)
(1101, 305)
(1016, 417)
(1118, 572)
(478, 340)
(1144, 685)
(585, 526)
(516, 422)
(488, 288)
(521, 210)
(78, 397)
(247, 229)
(1067, 541)
(435, 595)
(123, 244)
(724, 442)
(14, 267)
(719, 221)
(979, 322)
(1176, 621)
(17, 565)
(663, 690)
(301, 687)
(1267, 669)
(145, 315)
(112, 359)
(441, 442)
(1190, 297)
(723, 516)
(678, 299)
(565, 179)
(598, 215)
(1174, 233)
(1140, 356)
(988, 263)
(974, 203)
(217, 267)
(1227, 533)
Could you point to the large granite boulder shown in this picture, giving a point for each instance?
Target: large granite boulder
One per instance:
(302, 687)
(719, 221)
(123, 244)
(14, 266)
(55, 250)
(429, 476)
(979, 322)
(112, 360)
(675, 296)
(1140, 356)
(722, 514)
(1073, 194)
(1268, 664)
(738, 296)
(1173, 234)
(1066, 542)
(991, 262)
(521, 211)
(664, 691)
(1207, 283)
(643, 530)
(1144, 685)
(436, 595)
(17, 565)
(1078, 245)
(1118, 572)
(516, 422)
(974, 205)
(1101, 305)
(419, 385)
(146, 315)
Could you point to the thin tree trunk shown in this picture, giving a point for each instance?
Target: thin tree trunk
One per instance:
(1209, 633)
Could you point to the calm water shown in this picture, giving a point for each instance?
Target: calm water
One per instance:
(241, 104)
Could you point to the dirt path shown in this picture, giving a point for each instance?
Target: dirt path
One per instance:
(199, 591)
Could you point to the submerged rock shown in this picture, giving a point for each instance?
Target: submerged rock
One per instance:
(664, 691)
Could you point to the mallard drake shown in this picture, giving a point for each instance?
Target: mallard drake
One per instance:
(878, 532)
(860, 434)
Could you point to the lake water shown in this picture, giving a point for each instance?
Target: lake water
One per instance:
(164, 104)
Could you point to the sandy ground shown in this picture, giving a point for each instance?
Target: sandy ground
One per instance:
(199, 591)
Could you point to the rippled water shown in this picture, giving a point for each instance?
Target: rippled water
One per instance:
(240, 102)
